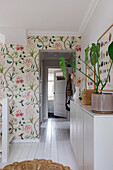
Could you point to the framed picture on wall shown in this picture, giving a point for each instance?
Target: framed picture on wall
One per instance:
(89, 84)
(104, 60)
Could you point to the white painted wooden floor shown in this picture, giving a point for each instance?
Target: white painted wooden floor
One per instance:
(54, 144)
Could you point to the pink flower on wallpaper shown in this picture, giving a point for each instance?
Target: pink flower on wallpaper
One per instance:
(78, 48)
(57, 46)
(27, 96)
(27, 62)
(19, 80)
(27, 128)
(29, 110)
(30, 78)
(19, 113)
(19, 47)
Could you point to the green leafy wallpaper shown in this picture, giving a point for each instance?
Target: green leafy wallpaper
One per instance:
(19, 80)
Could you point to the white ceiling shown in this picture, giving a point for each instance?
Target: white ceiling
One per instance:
(62, 17)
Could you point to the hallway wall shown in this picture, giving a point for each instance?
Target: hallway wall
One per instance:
(19, 80)
(100, 20)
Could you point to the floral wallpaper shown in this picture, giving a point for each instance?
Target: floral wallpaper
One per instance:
(19, 80)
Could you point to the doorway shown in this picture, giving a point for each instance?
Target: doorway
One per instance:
(56, 93)
(49, 59)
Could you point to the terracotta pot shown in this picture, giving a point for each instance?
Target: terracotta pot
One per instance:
(102, 103)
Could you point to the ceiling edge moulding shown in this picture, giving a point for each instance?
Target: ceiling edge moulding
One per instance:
(85, 21)
(51, 33)
(88, 15)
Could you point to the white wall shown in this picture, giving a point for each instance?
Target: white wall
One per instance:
(100, 21)
(14, 35)
(2, 38)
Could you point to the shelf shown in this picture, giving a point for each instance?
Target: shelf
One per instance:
(11, 136)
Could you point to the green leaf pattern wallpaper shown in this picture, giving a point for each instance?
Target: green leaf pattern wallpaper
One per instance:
(19, 80)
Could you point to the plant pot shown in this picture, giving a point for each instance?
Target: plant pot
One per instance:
(102, 103)
(86, 97)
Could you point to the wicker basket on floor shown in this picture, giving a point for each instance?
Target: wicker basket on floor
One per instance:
(36, 164)
(86, 97)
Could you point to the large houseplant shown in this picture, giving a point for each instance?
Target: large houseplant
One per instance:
(99, 103)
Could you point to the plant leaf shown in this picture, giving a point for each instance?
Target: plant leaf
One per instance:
(98, 47)
(110, 50)
(86, 53)
(94, 53)
(74, 63)
(74, 55)
(63, 65)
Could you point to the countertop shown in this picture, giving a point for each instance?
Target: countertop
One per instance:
(87, 108)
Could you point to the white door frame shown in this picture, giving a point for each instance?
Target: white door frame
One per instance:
(44, 83)
(46, 91)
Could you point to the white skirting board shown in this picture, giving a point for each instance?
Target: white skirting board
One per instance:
(26, 141)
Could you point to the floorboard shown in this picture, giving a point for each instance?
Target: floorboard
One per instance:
(54, 144)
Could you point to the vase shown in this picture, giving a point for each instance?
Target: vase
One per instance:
(102, 103)
(76, 94)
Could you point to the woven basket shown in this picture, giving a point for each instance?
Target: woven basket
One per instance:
(86, 97)
(36, 164)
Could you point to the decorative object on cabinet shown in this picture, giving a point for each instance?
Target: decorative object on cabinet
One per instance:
(94, 52)
(104, 61)
(76, 94)
(77, 82)
(86, 97)
(102, 103)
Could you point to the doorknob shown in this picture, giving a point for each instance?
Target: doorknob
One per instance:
(53, 92)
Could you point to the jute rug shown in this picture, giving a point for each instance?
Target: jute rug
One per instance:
(36, 164)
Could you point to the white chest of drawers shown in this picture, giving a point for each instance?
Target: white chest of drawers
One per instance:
(91, 136)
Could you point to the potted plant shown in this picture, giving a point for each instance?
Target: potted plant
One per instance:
(101, 102)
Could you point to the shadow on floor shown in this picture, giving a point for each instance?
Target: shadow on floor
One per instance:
(51, 115)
